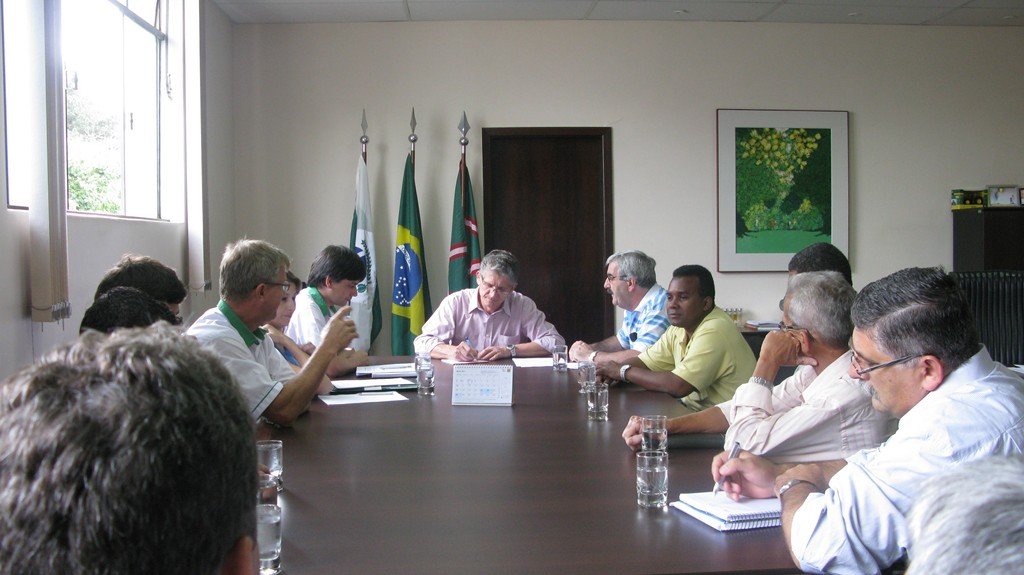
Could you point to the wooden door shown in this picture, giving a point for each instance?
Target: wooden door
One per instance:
(548, 200)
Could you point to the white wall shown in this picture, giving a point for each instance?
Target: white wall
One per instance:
(931, 109)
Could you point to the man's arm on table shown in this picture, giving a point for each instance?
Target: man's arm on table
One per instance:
(639, 374)
(607, 349)
(710, 420)
(346, 362)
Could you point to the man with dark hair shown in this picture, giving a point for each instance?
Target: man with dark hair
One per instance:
(253, 283)
(124, 454)
(701, 358)
(333, 280)
(631, 282)
(915, 344)
(821, 257)
(124, 307)
(148, 275)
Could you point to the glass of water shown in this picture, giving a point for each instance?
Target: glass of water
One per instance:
(652, 479)
(654, 433)
(597, 402)
(424, 374)
(586, 374)
(560, 358)
(270, 457)
(268, 538)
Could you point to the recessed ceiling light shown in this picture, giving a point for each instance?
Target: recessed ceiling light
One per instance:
(680, 12)
(853, 14)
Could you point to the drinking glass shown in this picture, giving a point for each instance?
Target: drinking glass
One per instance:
(559, 358)
(268, 538)
(597, 402)
(586, 374)
(424, 374)
(654, 433)
(266, 489)
(270, 456)
(652, 479)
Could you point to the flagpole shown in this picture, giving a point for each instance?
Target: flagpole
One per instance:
(364, 140)
(463, 141)
(413, 137)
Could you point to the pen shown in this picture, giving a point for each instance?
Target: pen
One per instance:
(732, 455)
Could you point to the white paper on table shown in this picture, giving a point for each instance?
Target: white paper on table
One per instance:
(387, 370)
(533, 362)
(365, 397)
(375, 382)
(452, 361)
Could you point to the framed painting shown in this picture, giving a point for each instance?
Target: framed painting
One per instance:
(783, 184)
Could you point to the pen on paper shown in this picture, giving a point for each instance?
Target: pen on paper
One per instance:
(732, 455)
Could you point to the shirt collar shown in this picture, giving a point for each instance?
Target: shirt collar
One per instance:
(474, 303)
(321, 303)
(250, 338)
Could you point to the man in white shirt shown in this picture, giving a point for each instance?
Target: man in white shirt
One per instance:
(915, 344)
(333, 281)
(252, 285)
(633, 285)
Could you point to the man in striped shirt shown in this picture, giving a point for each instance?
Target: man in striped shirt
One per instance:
(631, 282)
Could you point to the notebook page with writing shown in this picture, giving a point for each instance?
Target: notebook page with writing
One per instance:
(724, 508)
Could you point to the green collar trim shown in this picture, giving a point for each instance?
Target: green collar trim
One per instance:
(321, 303)
(250, 338)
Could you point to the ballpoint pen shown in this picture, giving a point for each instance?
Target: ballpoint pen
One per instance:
(732, 455)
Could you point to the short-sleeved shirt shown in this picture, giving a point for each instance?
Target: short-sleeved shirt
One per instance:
(255, 364)
(310, 317)
(715, 360)
(644, 325)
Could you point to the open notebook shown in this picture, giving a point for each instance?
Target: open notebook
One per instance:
(724, 514)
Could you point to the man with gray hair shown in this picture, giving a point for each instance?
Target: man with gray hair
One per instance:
(820, 412)
(914, 343)
(631, 282)
(253, 282)
(491, 321)
(970, 520)
(124, 454)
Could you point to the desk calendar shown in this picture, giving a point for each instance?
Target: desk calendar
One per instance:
(474, 384)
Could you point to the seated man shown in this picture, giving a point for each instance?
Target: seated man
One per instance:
(631, 282)
(125, 454)
(333, 278)
(701, 358)
(818, 413)
(252, 285)
(970, 520)
(491, 321)
(914, 342)
(147, 274)
(820, 257)
(125, 307)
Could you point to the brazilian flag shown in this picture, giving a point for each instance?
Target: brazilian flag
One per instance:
(464, 253)
(410, 301)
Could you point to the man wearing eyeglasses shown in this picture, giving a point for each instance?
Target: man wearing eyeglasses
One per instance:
(491, 321)
(333, 281)
(915, 344)
(253, 282)
(631, 282)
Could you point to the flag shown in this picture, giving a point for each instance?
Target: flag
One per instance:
(410, 301)
(464, 253)
(366, 303)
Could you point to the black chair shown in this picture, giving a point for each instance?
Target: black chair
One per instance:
(997, 302)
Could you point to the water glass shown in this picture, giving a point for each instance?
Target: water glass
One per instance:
(266, 489)
(560, 358)
(597, 402)
(424, 374)
(652, 479)
(268, 538)
(270, 457)
(586, 374)
(653, 433)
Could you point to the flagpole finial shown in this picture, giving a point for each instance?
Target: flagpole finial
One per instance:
(412, 124)
(363, 140)
(464, 128)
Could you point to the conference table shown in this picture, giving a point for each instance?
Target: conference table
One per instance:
(422, 486)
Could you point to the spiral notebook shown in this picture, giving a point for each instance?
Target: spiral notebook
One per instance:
(724, 514)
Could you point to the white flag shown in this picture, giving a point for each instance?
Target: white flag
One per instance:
(366, 303)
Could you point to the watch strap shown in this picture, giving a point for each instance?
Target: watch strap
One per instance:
(760, 381)
(622, 372)
(793, 483)
(512, 350)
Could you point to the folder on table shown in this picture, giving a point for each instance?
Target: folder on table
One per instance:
(724, 514)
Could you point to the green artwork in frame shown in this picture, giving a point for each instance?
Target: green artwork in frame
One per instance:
(782, 185)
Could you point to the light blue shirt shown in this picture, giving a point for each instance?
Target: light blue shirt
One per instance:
(648, 321)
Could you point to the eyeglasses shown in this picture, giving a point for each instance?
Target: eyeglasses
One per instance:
(856, 361)
(285, 286)
(610, 277)
(787, 327)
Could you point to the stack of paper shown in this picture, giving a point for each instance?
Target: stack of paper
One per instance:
(387, 370)
(724, 514)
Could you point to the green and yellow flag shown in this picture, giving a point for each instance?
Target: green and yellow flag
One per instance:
(410, 301)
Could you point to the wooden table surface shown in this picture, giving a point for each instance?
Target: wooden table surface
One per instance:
(421, 486)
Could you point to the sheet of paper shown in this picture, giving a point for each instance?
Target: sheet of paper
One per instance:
(365, 397)
(354, 383)
(387, 370)
(451, 361)
(532, 361)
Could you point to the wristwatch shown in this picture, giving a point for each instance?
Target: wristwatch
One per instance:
(511, 350)
(622, 372)
(791, 483)
(592, 355)
(760, 381)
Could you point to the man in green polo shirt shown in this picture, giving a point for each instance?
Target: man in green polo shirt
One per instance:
(701, 358)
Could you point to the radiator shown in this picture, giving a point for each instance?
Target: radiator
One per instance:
(997, 301)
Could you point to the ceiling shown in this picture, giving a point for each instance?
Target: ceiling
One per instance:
(900, 12)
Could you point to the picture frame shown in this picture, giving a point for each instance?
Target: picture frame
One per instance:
(783, 184)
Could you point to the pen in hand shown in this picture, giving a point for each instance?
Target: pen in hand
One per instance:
(732, 455)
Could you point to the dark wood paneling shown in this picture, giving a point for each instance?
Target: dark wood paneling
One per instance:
(988, 239)
(548, 200)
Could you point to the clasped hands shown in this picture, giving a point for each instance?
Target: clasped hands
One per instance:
(465, 352)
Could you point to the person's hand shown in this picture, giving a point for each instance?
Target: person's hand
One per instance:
(464, 352)
(787, 348)
(308, 348)
(631, 434)
(747, 475)
(608, 369)
(580, 351)
(494, 352)
(355, 356)
(339, 331)
(276, 336)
